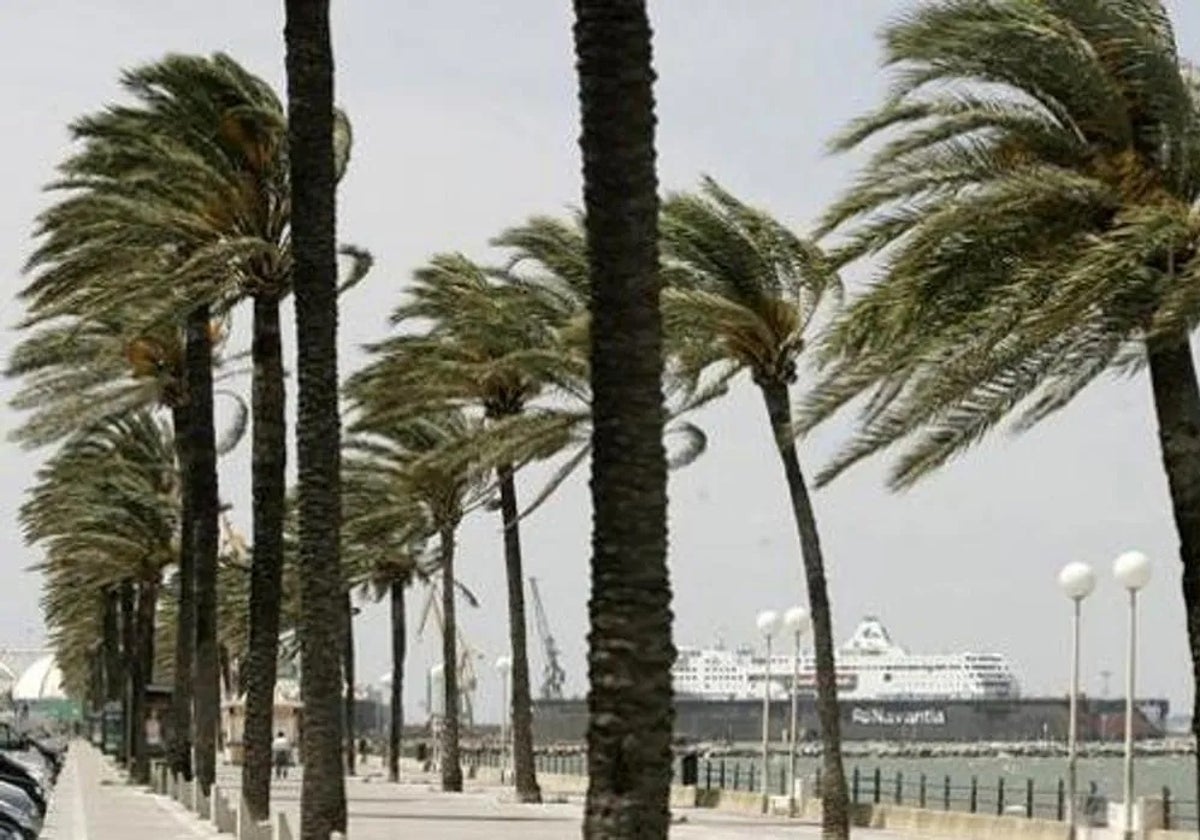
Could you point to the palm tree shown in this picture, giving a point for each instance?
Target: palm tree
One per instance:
(1035, 208)
(488, 344)
(313, 187)
(743, 290)
(186, 186)
(428, 461)
(105, 511)
(383, 540)
(630, 648)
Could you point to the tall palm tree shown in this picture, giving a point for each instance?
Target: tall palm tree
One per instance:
(105, 510)
(384, 532)
(430, 462)
(311, 149)
(743, 290)
(184, 187)
(1035, 208)
(630, 648)
(491, 345)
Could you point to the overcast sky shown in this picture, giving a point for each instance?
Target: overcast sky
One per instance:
(465, 122)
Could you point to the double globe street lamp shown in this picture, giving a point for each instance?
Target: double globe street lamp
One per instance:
(1077, 581)
(1132, 570)
(797, 620)
(768, 625)
(504, 668)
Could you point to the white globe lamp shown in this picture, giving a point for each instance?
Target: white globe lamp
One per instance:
(1132, 570)
(767, 622)
(1077, 580)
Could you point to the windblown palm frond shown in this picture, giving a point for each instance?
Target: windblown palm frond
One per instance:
(103, 510)
(1033, 206)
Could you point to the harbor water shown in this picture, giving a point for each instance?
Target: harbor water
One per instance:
(1000, 782)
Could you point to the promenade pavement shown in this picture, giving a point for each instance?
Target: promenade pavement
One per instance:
(416, 808)
(92, 802)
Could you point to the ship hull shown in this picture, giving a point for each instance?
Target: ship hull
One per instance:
(943, 721)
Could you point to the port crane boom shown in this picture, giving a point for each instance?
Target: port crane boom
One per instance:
(553, 675)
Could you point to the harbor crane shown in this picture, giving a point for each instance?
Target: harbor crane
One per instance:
(467, 653)
(553, 675)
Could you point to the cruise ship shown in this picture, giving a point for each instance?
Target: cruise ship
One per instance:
(870, 667)
(885, 694)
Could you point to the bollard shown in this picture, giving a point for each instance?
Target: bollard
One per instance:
(974, 794)
(899, 795)
(1062, 799)
(854, 787)
(737, 771)
(921, 791)
(1166, 798)
(946, 794)
(281, 829)
(878, 784)
(1000, 797)
(1029, 799)
(721, 784)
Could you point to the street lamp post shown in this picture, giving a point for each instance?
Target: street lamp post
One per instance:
(504, 667)
(436, 716)
(1077, 581)
(768, 625)
(1132, 570)
(796, 620)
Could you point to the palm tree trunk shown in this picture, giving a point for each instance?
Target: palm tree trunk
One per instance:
(310, 142)
(452, 777)
(630, 649)
(348, 701)
(268, 488)
(185, 631)
(522, 701)
(139, 675)
(835, 806)
(202, 448)
(399, 645)
(114, 680)
(128, 602)
(1177, 407)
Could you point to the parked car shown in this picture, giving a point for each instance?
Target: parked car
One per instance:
(15, 774)
(21, 801)
(21, 820)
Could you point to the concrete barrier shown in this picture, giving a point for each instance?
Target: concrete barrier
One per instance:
(247, 828)
(280, 830)
(201, 805)
(220, 814)
(927, 823)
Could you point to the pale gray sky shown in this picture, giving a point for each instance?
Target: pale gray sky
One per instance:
(465, 121)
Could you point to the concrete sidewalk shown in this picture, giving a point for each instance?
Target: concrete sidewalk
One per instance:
(379, 810)
(93, 802)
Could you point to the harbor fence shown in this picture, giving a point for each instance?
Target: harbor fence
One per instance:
(973, 795)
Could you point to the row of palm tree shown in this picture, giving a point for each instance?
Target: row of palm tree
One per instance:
(1030, 210)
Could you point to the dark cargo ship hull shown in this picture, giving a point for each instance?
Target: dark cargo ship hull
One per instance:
(1025, 719)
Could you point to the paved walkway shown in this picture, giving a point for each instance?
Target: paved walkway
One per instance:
(379, 810)
(92, 802)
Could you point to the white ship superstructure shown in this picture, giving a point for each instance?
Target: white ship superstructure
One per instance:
(869, 667)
